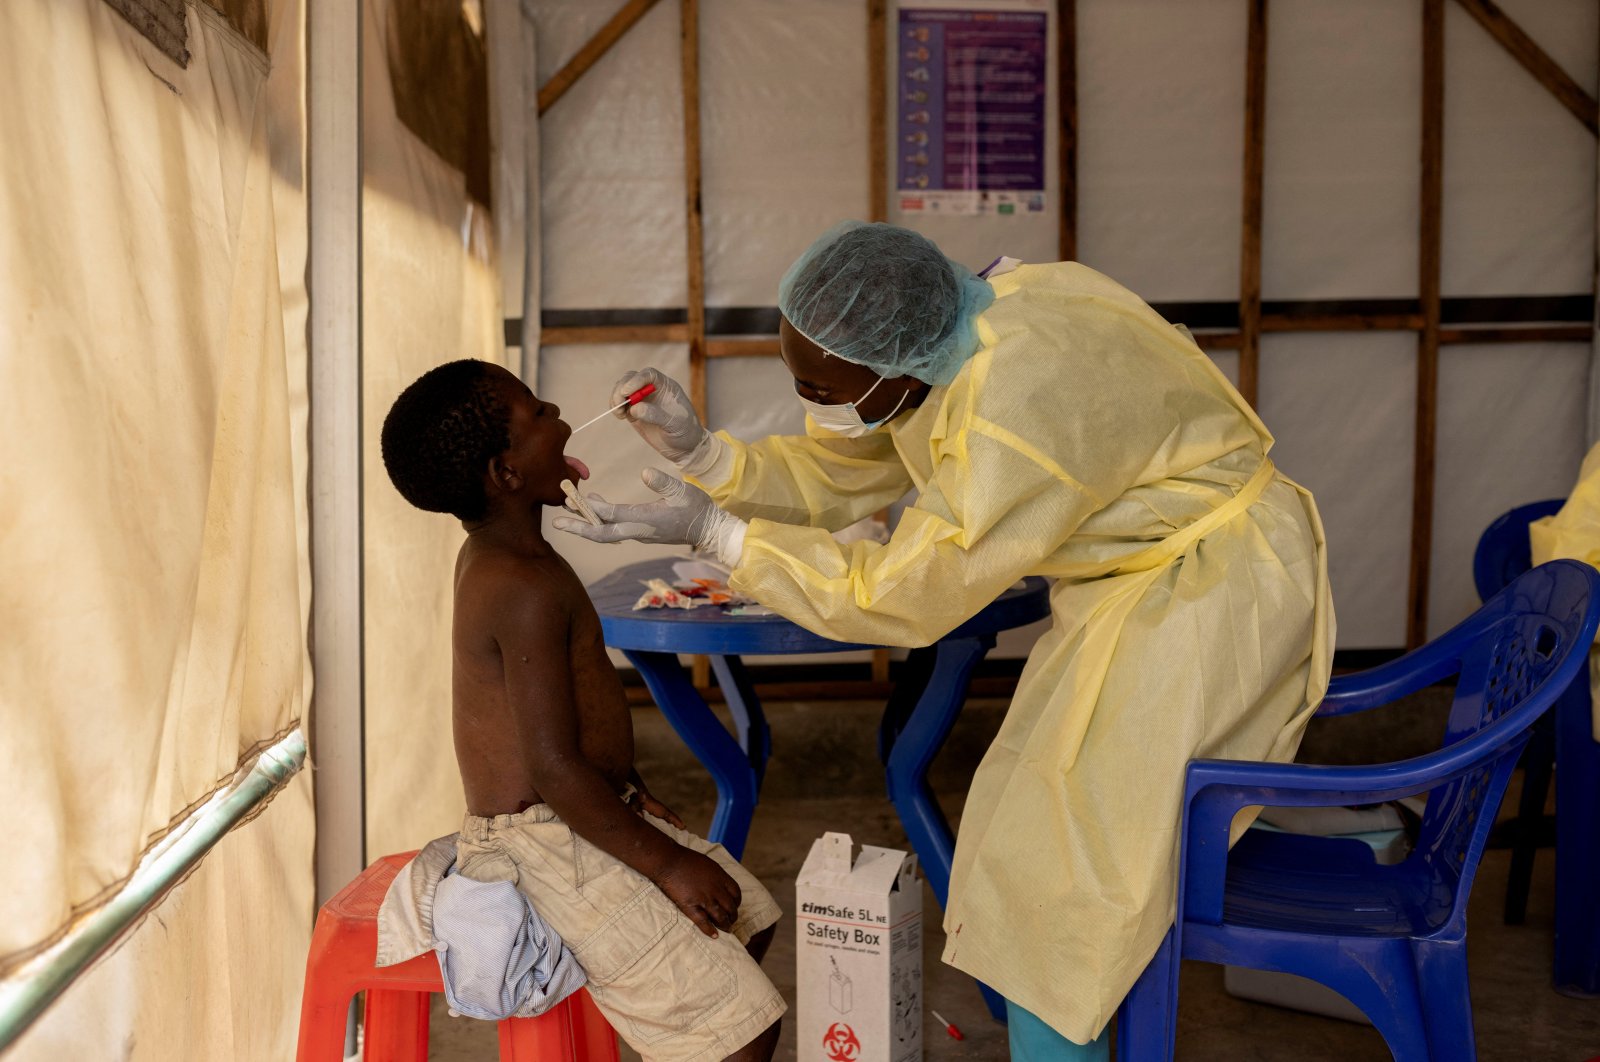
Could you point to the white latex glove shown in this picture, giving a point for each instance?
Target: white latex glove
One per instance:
(667, 421)
(684, 515)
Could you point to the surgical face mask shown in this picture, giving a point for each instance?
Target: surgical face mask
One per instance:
(845, 419)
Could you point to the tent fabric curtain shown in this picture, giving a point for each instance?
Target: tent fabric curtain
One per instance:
(152, 308)
(430, 294)
(215, 971)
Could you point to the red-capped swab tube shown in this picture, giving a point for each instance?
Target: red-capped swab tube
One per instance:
(632, 400)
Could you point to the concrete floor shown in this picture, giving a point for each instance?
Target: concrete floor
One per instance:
(824, 775)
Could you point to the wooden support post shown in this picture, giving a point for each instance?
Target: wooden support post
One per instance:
(694, 226)
(1255, 112)
(877, 110)
(878, 167)
(1428, 340)
(690, 51)
(1067, 126)
(1536, 61)
(590, 53)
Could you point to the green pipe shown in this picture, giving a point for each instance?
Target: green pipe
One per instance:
(30, 993)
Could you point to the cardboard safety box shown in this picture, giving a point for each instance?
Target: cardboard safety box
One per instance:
(859, 954)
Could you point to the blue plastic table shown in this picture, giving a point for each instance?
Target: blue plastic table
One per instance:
(916, 721)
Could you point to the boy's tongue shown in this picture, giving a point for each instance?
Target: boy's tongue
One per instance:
(579, 469)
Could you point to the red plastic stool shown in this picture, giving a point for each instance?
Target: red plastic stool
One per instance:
(343, 949)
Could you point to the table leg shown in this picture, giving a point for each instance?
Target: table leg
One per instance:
(1577, 961)
(709, 740)
(907, 692)
(749, 721)
(913, 751)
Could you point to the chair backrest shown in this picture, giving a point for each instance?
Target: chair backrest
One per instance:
(1503, 552)
(1508, 651)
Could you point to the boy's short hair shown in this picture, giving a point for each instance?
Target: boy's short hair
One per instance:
(439, 435)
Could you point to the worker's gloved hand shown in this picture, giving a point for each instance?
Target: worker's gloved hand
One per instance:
(667, 420)
(684, 515)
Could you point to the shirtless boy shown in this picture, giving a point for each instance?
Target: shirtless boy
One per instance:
(668, 927)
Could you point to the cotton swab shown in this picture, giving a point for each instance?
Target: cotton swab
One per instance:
(634, 399)
(955, 1033)
(579, 503)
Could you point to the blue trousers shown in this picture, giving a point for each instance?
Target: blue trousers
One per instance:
(1034, 1041)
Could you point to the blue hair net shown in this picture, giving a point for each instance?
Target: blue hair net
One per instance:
(887, 298)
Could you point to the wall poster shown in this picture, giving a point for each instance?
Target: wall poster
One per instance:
(971, 83)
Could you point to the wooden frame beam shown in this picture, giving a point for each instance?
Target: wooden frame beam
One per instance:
(877, 110)
(597, 46)
(1428, 272)
(878, 176)
(666, 333)
(742, 348)
(1536, 61)
(693, 218)
(694, 227)
(1255, 117)
(1532, 334)
(1067, 123)
(1342, 322)
(767, 346)
(1217, 340)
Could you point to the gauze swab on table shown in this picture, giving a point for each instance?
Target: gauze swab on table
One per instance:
(634, 399)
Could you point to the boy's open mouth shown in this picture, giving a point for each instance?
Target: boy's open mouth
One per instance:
(579, 469)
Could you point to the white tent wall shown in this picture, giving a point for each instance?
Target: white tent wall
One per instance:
(1161, 94)
(152, 299)
(1161, 131)
(430, 294)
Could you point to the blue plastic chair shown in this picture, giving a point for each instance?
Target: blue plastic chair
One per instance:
(1563, 739)
(1503, 554)
(1503, 551)
(1391, 939)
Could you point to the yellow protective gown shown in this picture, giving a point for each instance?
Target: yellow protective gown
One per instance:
(1574, 534)
(1091, 441)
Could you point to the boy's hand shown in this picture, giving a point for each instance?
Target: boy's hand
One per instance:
(645, 801)
(702, 890)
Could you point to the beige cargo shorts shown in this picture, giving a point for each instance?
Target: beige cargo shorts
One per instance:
(672, 992)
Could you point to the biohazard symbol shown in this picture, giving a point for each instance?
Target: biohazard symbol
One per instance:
(840, 1042)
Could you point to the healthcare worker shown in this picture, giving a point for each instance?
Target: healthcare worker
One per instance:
(1574, 533)
(1051, 424)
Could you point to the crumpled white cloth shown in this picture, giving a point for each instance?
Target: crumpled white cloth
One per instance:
(498, 959)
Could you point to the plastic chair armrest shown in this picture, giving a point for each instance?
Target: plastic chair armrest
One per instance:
(1439, 658)
(1217, 790)
(1389, 682)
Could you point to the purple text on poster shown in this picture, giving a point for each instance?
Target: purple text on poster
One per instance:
(971, 97)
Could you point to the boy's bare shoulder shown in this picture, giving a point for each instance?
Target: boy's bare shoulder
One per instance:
(506, 581)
